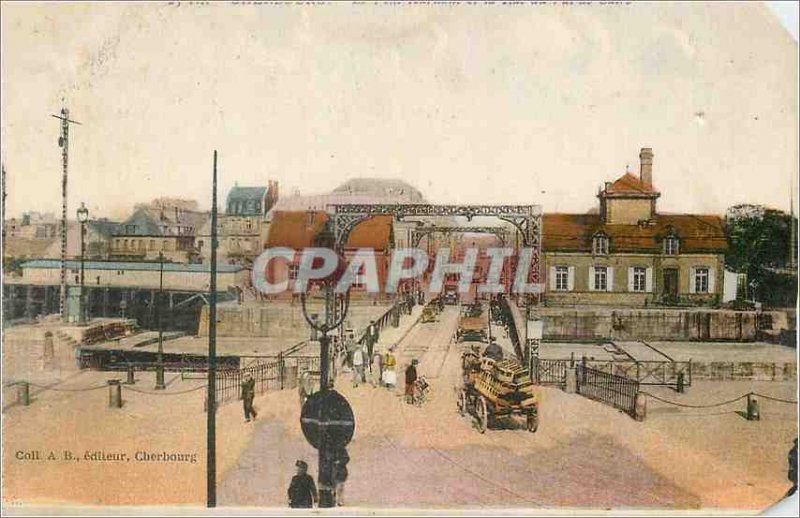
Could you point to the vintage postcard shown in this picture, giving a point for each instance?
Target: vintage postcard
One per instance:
(370, 258)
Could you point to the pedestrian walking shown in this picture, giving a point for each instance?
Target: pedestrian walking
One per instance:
(248, 395)
(359, 363)
(389, 375)
(376, 369)
(374, 335)
(340, 460)
(302, 490)
(411, 380)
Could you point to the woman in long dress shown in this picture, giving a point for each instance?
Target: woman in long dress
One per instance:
(389, 374)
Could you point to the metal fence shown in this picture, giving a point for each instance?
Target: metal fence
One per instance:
(653, 373)
(550, 372)
(661, 373)
(385, 319)
(617, 391)
(268, 374)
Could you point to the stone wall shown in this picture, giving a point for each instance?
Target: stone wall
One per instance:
(662, 324)
(279, 319)
(757, 371)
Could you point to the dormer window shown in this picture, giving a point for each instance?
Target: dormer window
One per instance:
(671, 245)
(600, 244)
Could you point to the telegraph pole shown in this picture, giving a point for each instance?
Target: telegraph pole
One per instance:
(792, 232)
(63, 142)
(3, 209)
(211, 425)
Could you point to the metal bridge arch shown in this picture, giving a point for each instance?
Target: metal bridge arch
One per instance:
(526, 218)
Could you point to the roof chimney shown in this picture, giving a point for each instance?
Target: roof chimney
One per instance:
(646, 166)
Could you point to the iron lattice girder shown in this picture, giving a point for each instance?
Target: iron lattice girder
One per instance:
(419, 233)
(526, 218)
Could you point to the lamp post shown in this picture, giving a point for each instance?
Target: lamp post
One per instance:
(160, 366)
(83, 217)
(336, 308)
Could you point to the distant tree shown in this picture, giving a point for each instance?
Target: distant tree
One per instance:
(758, 245)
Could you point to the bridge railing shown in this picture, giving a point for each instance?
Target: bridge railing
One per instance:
(652, 373)
(617, 391)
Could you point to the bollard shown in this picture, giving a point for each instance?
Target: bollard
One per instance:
(640, 406)
(23, 393)
(114, 394)
(752, 408)
(681, 383)
(131, 379)
(571, 380)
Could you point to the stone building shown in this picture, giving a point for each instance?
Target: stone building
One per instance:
(629, 254)
(242, 229)
(164, 226)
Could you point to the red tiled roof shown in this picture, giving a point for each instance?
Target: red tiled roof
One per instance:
(629, 183)
(294, 230)
(574, 232)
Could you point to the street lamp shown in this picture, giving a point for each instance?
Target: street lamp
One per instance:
(336, 307)
(160, 367)
(83, 217)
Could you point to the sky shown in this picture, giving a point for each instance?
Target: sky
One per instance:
(523, 104)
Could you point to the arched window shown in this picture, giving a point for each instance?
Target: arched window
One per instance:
(600, 244)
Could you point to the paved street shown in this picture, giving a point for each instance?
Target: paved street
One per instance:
(584, 454)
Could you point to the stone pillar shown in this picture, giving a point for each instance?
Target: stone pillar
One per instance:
(114, 394)
(131, 376)
(752, 408)
(681, 383)
(571, 381)
(640, 406)
(23, 393)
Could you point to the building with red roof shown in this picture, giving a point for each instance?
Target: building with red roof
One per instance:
(301, 229)
(628, 254)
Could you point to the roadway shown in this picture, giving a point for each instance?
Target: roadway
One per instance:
(584, 454)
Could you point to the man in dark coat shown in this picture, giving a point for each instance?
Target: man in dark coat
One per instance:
(248, 394)
(494, 352)
(411, 379)
(302, 490)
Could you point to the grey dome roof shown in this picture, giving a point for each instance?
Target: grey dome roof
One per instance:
(383, 188)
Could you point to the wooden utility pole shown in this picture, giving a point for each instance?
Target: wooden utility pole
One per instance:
(792, 232)
(63, 142)
(211, 425)
(3, 208)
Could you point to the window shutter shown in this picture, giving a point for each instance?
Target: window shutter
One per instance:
(610, 278)
(648, 280)
(692, 275)
(552, 278)
(630, 278)
(712, 278)
(571, 279)
(591, 278)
